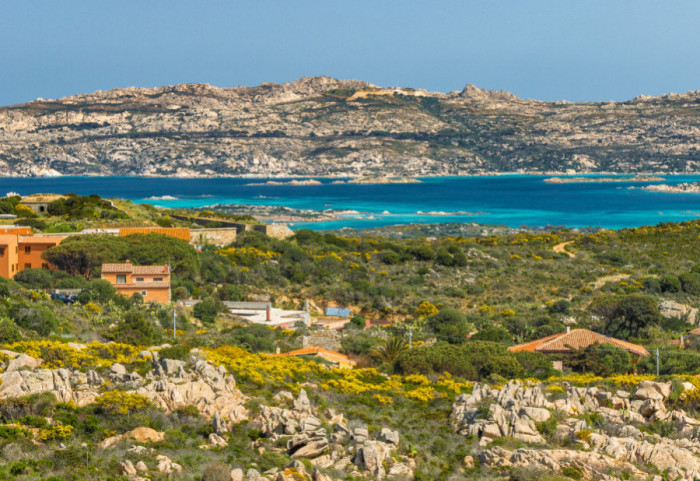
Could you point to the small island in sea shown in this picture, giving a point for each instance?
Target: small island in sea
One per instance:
(683, 188)
(379, 180)
(289, 182)
(571, 180)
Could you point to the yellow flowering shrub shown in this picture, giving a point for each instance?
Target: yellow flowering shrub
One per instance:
(449, 384)
(416, 379)
(383, 399)
(94, 355)
(555, 388)
(55, 432)
(576, 379)
(119, 402)
(423, 394)
(629, 380)
(93, 308)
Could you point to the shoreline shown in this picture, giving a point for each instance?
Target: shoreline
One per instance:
(339, 177)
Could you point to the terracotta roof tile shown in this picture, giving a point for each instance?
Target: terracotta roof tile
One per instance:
(325, 353)
(576, 339)
(145, 284)
(150, 269)
(40, 239)
(117, 268)
(128, 267)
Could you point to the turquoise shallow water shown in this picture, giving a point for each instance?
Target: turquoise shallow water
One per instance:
(512, 200)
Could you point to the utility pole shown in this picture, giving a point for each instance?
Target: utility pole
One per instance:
(174, 320)
(657, 362)
(410, 338)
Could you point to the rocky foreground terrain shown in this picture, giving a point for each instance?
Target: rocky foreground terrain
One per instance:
(601, 433)
(324, 440)
(325, 127)
(607, 429)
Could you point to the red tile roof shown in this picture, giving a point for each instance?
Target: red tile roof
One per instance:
(576, 339)
(144, 284)
(319, 351)
(40, 239)
(128, 267)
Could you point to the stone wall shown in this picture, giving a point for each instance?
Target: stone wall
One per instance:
(326, 339)
(279, 231)
(219, 237)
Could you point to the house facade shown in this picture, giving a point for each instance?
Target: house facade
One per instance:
(20, 249)
(151, 282)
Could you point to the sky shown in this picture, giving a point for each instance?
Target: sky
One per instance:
(542, 49)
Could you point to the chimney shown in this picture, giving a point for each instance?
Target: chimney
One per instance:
(268, 315)
(568, 329)
(306, 305)
(277, 350)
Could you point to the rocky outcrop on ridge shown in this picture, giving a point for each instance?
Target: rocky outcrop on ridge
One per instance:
(319, 126)
(170, 386)
(615, 444)
(675, 310)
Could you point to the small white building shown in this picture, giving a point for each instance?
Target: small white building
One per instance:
(264, 313)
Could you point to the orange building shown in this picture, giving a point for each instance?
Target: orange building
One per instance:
(152, 282)
(15, 229)
(32, 247)
(20, 249)
(177, 232)
(9, 255)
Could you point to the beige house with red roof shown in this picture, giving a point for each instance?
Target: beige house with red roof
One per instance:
(152, 282)
(575, 339)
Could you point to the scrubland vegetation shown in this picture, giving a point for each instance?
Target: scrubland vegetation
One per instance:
(463, 300)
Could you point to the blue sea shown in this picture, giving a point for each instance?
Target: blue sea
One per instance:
(512, 200)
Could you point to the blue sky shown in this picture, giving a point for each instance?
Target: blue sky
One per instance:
(549, 50)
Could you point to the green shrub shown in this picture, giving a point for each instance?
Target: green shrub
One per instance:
(38, 319)
(473, 360)
(548, 427)
(180, 353)
(136, 329)
(571, 472)
(9, 332)
(36, 278)
(207, 309)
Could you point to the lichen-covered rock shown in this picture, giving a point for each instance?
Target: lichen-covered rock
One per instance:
(139, 435)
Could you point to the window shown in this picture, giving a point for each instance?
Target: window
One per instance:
(143, 293)
(157, 279)
(139, 279)
(27, 249)
(2, 251)
(28, 265)
(45, 265)
(121, 279)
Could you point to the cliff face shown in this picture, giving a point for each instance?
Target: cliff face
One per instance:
(323, 127)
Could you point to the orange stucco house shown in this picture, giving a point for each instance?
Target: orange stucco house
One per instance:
(152, 282)
(20, 249)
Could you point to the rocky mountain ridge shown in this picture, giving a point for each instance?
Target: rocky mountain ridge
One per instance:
(319, 126)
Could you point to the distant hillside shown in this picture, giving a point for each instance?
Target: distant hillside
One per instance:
(325, 127)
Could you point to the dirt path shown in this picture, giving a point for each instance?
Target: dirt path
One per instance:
(561, 248)
(615, 278)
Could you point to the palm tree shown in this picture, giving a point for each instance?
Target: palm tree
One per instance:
(390, 348)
